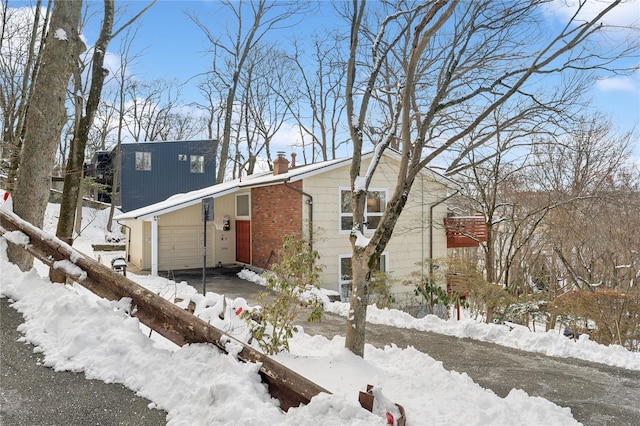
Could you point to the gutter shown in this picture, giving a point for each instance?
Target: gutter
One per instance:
(431, 206)
(310, 203)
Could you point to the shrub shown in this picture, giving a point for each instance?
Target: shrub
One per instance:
(527, 310)
(380, 290)
(292, 286)
(489, 299)
(610, 316)
(434, 295)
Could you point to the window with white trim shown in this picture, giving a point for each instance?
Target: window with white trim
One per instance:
(345, 274)
(375, 206)
(143, 161)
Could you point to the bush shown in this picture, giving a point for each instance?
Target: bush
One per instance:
(611, 317)
(490, 300)
(293, 280)
(434, 295)
(527, 311)
(380, 290)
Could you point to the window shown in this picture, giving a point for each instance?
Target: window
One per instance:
(143, 161)
(243, 206)
(346, 274)
(197, 163)
(182, 157)
(376, 204)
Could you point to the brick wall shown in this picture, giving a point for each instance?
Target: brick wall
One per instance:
(276, 211)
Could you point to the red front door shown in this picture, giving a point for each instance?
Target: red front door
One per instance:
(243, 241)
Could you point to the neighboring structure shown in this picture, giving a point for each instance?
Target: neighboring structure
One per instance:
(465, 231)
(311, 201)
(101, 170)
(152, 171)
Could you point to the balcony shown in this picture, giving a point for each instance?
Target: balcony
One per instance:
(465, 231)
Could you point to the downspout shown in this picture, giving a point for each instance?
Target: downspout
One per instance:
(310, 203)
(154, 246)
(126, 240)
(431, 206)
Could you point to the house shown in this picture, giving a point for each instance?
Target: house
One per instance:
(311, 201)
(100, 168)
(152, 171)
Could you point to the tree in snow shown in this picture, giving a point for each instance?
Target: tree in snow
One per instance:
(72, 193)
(456, 67)
(19, 65)
(45, 117)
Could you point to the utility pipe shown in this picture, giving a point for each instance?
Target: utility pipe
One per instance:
(431, 206)
(310, 203)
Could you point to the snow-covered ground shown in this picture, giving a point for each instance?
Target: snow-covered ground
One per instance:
(197, 385)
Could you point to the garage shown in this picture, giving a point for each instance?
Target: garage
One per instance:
(181, 248)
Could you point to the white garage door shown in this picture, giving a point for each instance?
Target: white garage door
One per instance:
(180, 248)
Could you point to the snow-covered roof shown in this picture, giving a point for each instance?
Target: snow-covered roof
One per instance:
(180, 201)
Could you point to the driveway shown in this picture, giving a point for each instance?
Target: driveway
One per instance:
(31, 394)
(597, 394)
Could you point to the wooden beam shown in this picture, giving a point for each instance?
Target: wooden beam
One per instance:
(159, 314)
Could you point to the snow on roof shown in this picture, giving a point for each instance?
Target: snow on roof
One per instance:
(179, 201)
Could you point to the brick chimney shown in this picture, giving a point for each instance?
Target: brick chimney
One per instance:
(280, 164)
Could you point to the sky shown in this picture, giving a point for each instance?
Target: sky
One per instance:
(176, 47)
(170, 46)
(173, 46)
(75, 330)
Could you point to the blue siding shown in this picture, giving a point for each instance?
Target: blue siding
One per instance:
(168, 175)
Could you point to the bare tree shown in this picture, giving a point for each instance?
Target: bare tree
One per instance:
(19, 65)
(45, 117)
(319, 104)
(253, 20)
(496, 184)
(101, 134)
(122, 79)
(267, 75)
(466, 60)
(214, 109)
(589, 171)
(151, 106)
(70, 203)
(182, 125)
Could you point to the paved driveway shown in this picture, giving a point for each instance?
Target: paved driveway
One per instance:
(31, 394)
(597, 394)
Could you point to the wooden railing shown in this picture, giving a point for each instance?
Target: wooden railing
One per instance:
(465, 231)
(159, 314)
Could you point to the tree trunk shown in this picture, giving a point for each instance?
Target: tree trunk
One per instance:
(489, 255)
(45, 119)
(361, 278)
(71, 192)
(14, 136)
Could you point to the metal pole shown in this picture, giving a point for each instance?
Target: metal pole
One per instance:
(207, 216)
(204, 261)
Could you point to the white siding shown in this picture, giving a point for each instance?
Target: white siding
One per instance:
(410, 241)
